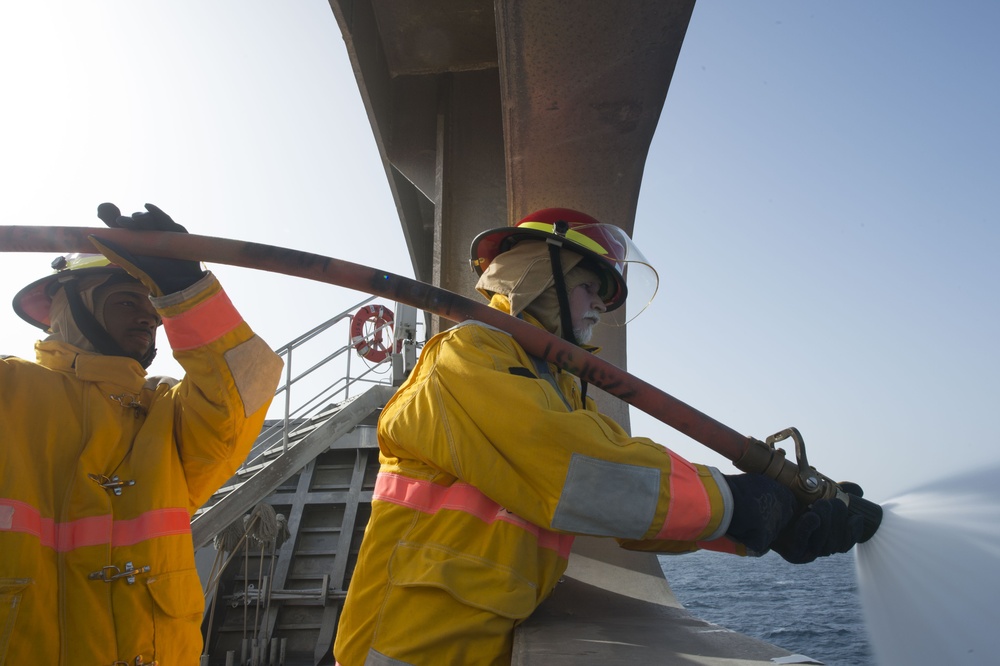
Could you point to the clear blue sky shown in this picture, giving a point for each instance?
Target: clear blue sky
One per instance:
(819, 199)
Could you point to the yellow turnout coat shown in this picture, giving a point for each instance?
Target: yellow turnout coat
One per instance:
(490, 464)
(100, 471)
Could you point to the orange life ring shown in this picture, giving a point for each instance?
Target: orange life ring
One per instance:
(369, 335)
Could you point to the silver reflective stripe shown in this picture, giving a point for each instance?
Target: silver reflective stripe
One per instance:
(376, 658)
(727, 505)
(607, 499)
(167, 300)
(256, 371)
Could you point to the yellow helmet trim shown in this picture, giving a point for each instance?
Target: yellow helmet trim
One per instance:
(575, 236)
(78, 261)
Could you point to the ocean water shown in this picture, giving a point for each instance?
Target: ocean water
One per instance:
(811, 609)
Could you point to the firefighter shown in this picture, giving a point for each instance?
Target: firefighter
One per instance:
(102, 466)
(492, 460)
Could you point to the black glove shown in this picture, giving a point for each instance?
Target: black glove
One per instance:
(826, 528)
(762, 508)
(160, 275)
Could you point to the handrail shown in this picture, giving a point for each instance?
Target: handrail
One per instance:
(294, 415)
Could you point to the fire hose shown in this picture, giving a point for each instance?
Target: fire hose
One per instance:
(746, 453)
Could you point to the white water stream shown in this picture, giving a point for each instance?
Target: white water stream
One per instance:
(930, 577)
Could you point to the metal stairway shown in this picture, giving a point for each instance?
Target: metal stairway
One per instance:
(274, 600)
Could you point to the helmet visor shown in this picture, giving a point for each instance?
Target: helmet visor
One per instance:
(638, 277)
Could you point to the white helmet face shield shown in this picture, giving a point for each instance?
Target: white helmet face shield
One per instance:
(639, 276)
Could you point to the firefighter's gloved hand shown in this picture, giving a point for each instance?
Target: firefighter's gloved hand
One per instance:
(159, 274)
(762, 509)
(826, 528)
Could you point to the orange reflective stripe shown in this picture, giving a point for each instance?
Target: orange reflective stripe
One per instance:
(428, 497)
(64, 537)
(94, 530)
(202, 324)
(690, 509)
(156, 523)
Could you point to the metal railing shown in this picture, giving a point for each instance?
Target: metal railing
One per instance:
(331, 372)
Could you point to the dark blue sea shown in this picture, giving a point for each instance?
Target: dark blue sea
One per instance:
(810, 609)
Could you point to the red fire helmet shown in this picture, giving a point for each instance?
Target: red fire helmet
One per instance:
(606, 249)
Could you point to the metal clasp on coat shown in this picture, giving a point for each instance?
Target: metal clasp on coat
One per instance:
(114, 484)
(138, 662)
(127, 400)
(111, 573)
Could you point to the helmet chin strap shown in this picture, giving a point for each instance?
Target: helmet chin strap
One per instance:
(92, 329)
(565, 315)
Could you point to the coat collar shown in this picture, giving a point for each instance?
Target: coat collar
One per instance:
(89, 366)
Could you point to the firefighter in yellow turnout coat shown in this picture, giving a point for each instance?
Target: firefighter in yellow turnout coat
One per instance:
(101, 467)
(491, 462)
